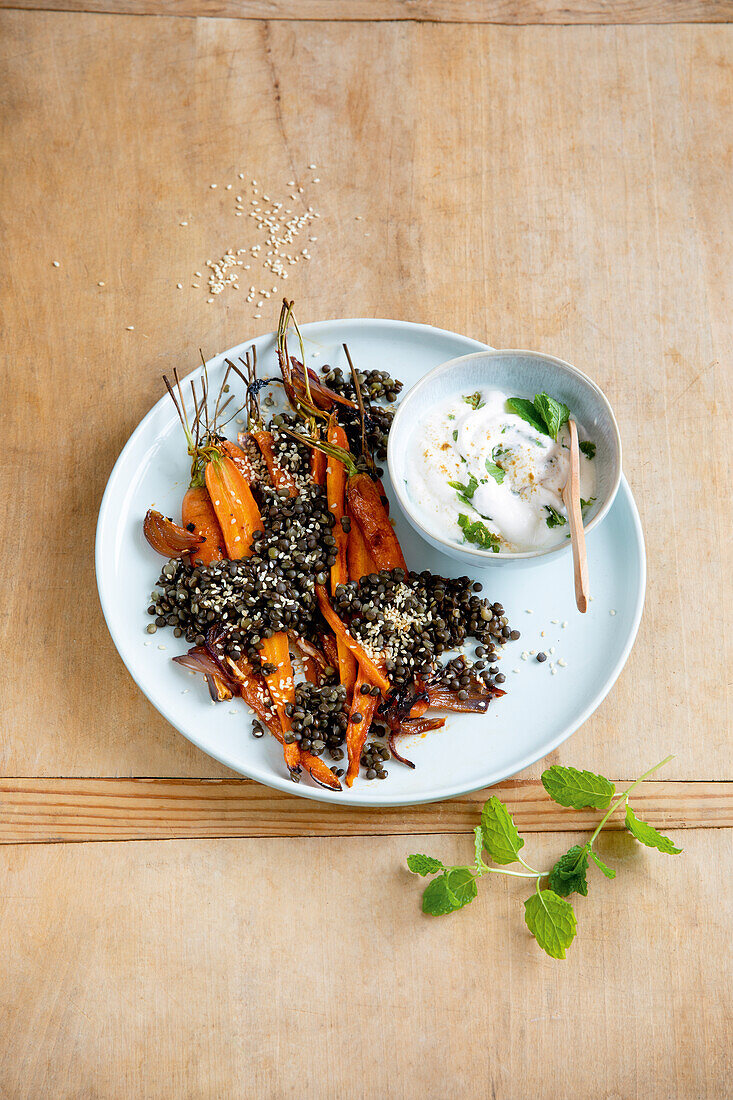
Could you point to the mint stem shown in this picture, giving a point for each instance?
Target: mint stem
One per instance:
(625, 796)
(515, 874)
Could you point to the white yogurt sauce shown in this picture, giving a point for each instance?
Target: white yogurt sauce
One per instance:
(453, 442)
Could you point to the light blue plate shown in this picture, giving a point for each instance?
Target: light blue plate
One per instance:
(472, 751)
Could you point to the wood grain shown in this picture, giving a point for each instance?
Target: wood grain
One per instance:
(549, 187)
(164, 970)
(441, 11)
(39, 811)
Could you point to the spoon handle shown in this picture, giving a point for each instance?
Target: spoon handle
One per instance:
(571, 499)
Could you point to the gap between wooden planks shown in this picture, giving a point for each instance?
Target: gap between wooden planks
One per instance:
(506, 12)
(68, 810)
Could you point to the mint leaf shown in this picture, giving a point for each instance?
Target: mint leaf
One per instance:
(474, 400)
(608, 871)
(478, 533)
(501, 839)
(496, 471)
(449, 892)
(553, 412)
(649, 835)
(587, 503)
(462, 885)
(551, 921)
(438, 899)
(568, 876)
(554, 518)
(424, 865)
(587, 448)
(577, 790)
(524, 408)
(455, 436)
(465, 492)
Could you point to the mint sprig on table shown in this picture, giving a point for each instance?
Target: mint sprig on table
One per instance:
(548, 915)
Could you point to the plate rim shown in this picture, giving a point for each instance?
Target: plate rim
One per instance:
(339, 798)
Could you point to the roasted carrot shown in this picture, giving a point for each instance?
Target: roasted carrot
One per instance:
(356, 733)
(240, 458)
(254, 694)
(318, 467)
(199, 516)
(369, 668)
(281, 478)
(335, 494)
(365, 505)
(239, 517)
(359, 558)
(235, 507)
(275, 651)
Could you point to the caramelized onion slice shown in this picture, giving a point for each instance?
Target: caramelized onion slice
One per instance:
(323, 397)
(167, 537)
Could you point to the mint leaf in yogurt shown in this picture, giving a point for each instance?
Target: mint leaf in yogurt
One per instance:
(545, 414)
(587, 503)
(474, 400)
(478, 533)
(554, 519)
(496, 471)
(524, 408)
(465, 492)
(588, 448)
(553, 412)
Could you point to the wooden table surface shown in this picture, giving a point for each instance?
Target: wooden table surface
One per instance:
(535, 174)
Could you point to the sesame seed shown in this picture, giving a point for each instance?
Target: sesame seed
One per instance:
(179, 286)
(612, 611)
(100, 284)
(130, 328)
(161, 647)
(563, 625)
(562, 662)
(553, 672)
(212, 186)
(183, 223)
(56, 263)
(229, 187)
(311, 166)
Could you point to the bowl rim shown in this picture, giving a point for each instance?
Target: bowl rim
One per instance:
(476, 553)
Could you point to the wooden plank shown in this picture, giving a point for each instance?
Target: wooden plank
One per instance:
(511, 12)
(39, 811)
(548, 187)
(163, 970)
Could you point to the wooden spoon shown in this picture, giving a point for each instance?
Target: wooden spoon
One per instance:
(571, 500)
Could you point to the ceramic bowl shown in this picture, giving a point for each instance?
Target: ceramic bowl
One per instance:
(524, 374)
